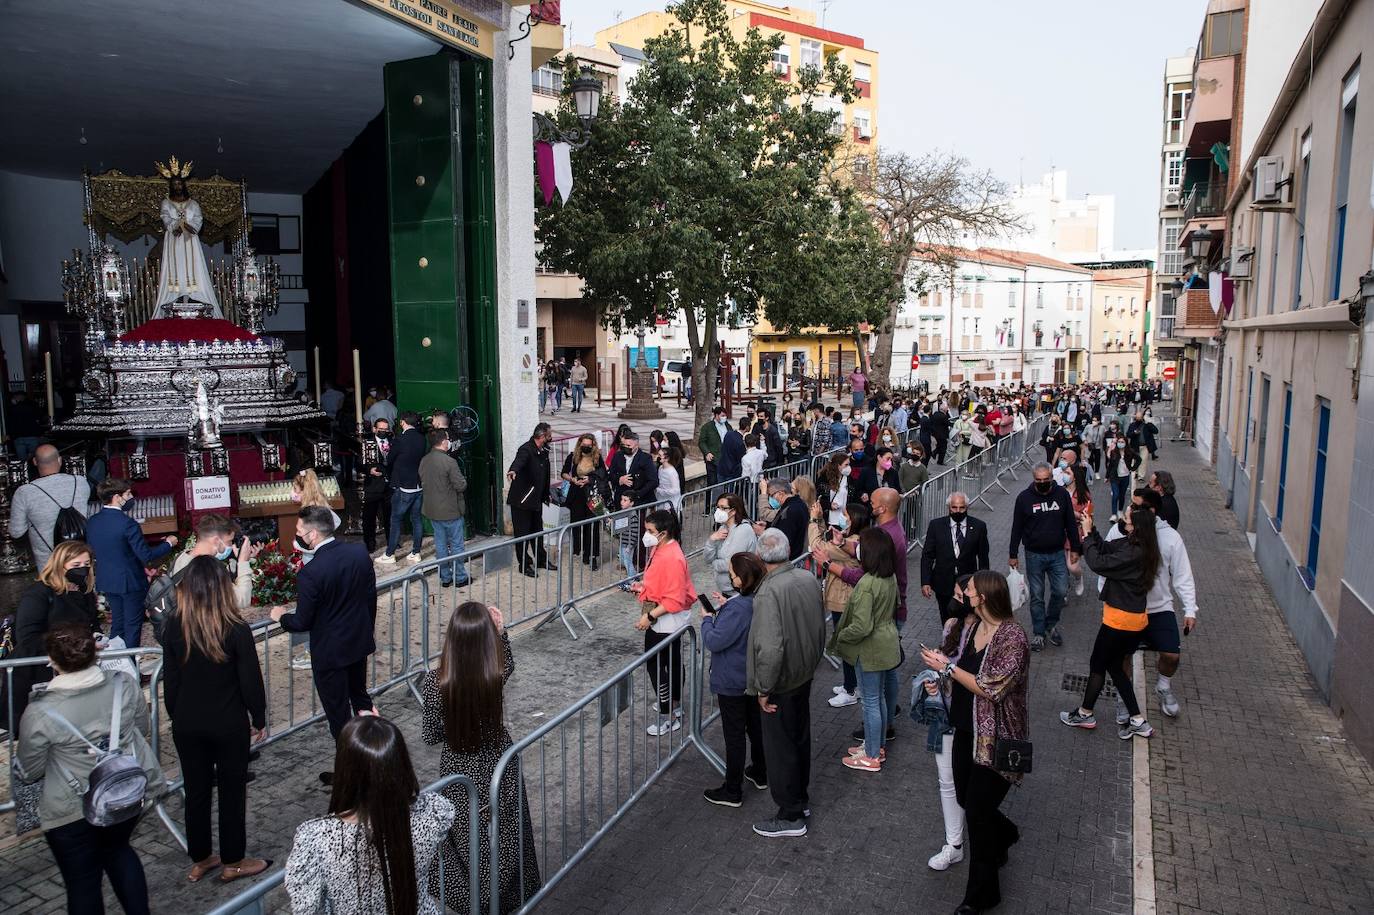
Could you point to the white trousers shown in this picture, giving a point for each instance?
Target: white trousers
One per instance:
(949, 800)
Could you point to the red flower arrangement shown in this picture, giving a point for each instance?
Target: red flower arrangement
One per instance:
(274, 575)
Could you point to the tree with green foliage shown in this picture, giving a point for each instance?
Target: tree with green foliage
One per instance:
(706, 191)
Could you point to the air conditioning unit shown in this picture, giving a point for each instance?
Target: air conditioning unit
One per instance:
(1242, 256)
(1173, 198)
(1269, 179)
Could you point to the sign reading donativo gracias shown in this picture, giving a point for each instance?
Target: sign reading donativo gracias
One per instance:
(466, 24)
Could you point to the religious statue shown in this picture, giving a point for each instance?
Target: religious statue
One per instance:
(182, 274)
(205, 420)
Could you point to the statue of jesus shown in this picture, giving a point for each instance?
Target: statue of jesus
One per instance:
(182, 274)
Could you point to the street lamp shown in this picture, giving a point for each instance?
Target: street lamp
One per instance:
(1176, 287)
(1200, 243)
(586, 92)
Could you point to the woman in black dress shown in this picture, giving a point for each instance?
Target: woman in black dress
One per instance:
(63, 593)
(589, 484)
(463, 712)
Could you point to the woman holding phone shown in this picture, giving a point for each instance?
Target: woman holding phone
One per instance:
(734, 535)
(666, 596)
(725, 633)
(957, 627)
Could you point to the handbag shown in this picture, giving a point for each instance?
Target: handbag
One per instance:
(1013, 756)
(559, 494)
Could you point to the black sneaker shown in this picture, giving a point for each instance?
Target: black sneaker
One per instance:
(758, 779)
(1055, 638)
(1037, 643)
(858, 734)
(722, 797)
(780, 829)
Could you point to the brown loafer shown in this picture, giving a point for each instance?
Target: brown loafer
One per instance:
(248, 867)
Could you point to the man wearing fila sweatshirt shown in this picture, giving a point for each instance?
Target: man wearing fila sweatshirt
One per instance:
(1043, 520)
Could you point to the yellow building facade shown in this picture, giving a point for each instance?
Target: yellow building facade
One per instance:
(775, 356)
(1117, 331)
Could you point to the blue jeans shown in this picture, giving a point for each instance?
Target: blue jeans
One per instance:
(85, 853)
(579, 391)
(126, 616)
(1045, 615)
(405, 505)
(1121, 494)
(880, 706)
(448, 541)
(627, 556)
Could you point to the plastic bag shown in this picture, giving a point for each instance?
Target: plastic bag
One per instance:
(1016, 585)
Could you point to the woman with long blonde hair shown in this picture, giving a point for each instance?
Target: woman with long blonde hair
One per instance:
(306, 489)
(215, 696)
(589, 495)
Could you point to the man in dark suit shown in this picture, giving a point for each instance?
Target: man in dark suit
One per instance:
(939, 431)
(731, 463)
(956, 544)
(527, 495)
(403, 474)
(635, 474)
(121, 554)
(336, 602)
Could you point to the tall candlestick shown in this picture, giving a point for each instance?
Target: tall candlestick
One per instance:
(357, 388)
(47, 370)
(317, 375)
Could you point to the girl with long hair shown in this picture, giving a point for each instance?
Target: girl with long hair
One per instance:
(962, 618)
(215, 697)
(1122, 462)
(307, 491)
(590, 486)
(464, 712)
(833, 549)
(734, 534)
(1128, 567)
(1082, 497)
(833, 489)
(988, 702)
(374, 851)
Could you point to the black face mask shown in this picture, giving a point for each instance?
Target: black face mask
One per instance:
(78, 575)
(958, 517)
(586, 449)
(1044, 486)
(384, 435)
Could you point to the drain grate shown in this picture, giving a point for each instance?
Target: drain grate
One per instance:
(1077, 683)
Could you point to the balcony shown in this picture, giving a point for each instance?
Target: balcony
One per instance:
(1205, 199)
(1210, 108)
(1164, 328)
(1195, 317)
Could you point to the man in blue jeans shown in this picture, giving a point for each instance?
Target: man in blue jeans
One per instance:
(403, 470)
(1044, 521)
(444, 505)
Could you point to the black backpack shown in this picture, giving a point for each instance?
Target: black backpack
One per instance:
(161, 600)
(70, 523)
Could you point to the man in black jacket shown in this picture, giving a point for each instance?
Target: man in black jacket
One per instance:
(1162, 482)
(527, 495)
(336, 602)
(767, 431)
(635, 474)
(1043, 519)
(956, 544)
(403, 474)
(790, 516)
(939, 431)
(376, 487)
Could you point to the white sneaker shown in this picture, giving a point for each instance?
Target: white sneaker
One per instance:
(842, 698)
(1112, 519)
(1168, 702)
(413, 557)
(950, 854)
(386, 559)
(665, 725)
(838, 689)
(301, 661)
(1078, 586)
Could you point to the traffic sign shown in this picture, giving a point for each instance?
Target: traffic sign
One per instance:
(915, 361)
(1170, 372)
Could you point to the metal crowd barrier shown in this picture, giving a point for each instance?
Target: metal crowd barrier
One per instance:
(253, 900)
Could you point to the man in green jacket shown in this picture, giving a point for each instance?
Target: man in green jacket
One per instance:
(709, 440)
(785, 643)
(444, 504)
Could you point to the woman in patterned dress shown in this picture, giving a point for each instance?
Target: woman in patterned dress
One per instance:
(463, 712)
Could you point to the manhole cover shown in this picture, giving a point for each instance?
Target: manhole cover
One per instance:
(1077, 683)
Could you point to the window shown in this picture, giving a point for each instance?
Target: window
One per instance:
(782, 60)
(1304, 172)
(1116, 372)
(548, 80)
(1173, 169)
(1121, 305)
(834, 107)
(861, 123)
(977, 342)
(1283, 454)
(1011, 339)
(1039, 296)
(810, 53)
(1245, 430)
(1171, 256)
(1274, 261)
(1178, 110)
(1011, 297)
(1224, 36)
(1314, 539)
(863, 72)
(1106, 339)
(1350, 88)
(861, 173)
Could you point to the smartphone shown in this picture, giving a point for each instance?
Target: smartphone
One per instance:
(705, 604)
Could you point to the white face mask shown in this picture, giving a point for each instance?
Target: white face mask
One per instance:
(722, 516)
(649, 540)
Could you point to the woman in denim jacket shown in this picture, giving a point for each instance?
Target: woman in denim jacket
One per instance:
(940, 736)
(725, 634)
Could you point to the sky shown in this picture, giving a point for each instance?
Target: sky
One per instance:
(1015, 86)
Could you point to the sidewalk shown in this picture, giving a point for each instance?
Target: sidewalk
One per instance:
(1259, 803)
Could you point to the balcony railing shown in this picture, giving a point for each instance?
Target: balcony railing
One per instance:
(1206, 198)
(1164, 328)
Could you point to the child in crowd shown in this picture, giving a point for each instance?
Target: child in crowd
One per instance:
(626, 527)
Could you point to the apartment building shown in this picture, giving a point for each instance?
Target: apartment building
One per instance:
(1117, 337)
(1295, 447)
(1177, 89)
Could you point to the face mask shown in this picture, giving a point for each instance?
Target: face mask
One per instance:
(773, 503)
(1044, 487)
(858, 454)
(225, 553)
(129, 504)
(957, 517)
(887, 463)
(843, 524)
(844, 471)
(649, 540)
(78, 575)
(1063, 464)
(586, 449)
(295, 497)
(384, 435)
(721, 516)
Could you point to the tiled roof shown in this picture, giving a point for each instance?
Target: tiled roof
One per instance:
(1035, 260)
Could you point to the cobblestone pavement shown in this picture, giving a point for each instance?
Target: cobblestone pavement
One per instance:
(870, 836)
(1259, 803)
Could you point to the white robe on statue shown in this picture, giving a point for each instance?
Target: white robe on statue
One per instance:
(183, 273)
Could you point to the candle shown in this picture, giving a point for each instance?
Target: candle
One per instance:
(357, 388)
(47, 370)
(317, 374)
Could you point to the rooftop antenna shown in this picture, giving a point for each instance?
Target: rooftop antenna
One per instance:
(825, 8)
